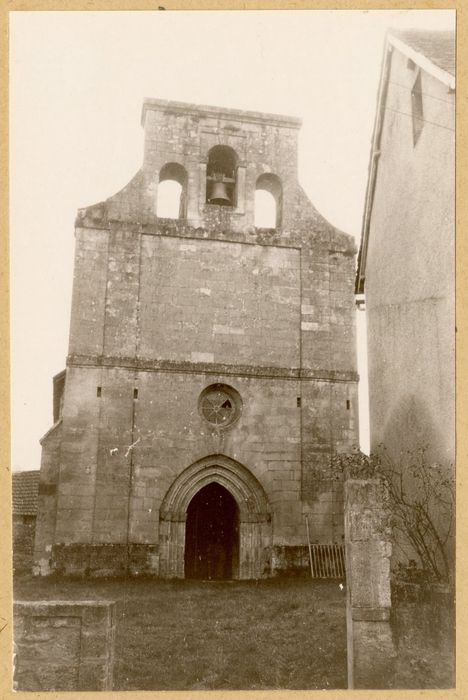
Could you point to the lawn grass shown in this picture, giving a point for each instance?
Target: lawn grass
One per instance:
(187, 635)
(424, 635)
(240, 635)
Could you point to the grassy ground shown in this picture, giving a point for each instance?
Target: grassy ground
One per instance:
(424, 637)
(187, 635)
(206, 635)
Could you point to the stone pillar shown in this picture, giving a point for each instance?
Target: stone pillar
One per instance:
(240, 209)
(201, 186)
(196, 181)
(368, 549)
(64, 645)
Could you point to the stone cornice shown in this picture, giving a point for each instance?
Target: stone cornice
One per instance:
(146, 365)
(208, 111)
(182, 229)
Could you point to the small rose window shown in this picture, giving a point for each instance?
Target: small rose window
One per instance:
(220, 405)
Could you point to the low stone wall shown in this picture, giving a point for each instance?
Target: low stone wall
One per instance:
(24, 527)
(290, 560)
(105, 559)
(100, 560)
(63, 645)
(371, 649)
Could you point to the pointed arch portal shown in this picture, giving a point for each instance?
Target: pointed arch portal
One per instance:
(212, 534)
(215, 523)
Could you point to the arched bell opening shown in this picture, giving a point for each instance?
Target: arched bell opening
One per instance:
(212, 535)
(221, 176)
(172, 192)
(268, 201)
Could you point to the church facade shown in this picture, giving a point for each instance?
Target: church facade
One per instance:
(211, 371)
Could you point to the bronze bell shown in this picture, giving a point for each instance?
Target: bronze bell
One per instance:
(219, 194)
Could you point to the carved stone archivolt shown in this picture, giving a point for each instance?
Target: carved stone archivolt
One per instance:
(254, 515)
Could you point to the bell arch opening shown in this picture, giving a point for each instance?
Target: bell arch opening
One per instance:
(212, 535)
(221, 176)
(268, 201)
(171, 200)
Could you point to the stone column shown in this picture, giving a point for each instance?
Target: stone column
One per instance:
(64, 645)
(368, 549)
(201, 187)
(196, 181)
(240, 208)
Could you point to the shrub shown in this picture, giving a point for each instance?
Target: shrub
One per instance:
(422, 503)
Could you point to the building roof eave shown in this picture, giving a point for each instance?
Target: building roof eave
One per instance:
(391, 43)
(372, 168)
(423, 62)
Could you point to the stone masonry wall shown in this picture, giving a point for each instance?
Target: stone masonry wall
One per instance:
(163, 308)
(216, 301)
(64, 645)
(170, 434)
(124, 276)
(24, 528)
(47, 498)
(368, 549)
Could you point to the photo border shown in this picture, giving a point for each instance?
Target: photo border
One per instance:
(461, 7)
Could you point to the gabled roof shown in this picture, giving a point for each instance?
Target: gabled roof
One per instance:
(433, 52)
(438, 47)
(25, 489)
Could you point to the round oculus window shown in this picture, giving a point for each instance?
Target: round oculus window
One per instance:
(220, 405)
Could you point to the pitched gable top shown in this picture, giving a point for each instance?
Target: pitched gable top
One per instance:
(433, 52)
(25, 489)
(436, 46)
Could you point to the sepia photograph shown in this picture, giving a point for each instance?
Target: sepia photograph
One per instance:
(232, 285)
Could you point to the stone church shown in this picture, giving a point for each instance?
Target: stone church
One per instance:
(211, 370)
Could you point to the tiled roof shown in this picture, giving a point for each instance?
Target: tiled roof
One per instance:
(25, 486)
(437, 46)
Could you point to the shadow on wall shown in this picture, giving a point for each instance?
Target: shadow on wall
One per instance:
(412, 427)
(419, 458)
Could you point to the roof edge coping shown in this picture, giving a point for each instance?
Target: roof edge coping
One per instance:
(158, 105)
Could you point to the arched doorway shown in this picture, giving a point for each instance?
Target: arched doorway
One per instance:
(212, 534)
(251, 549)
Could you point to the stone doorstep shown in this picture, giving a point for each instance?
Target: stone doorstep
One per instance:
(370, 614)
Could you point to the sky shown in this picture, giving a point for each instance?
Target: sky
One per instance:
(77, 84)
